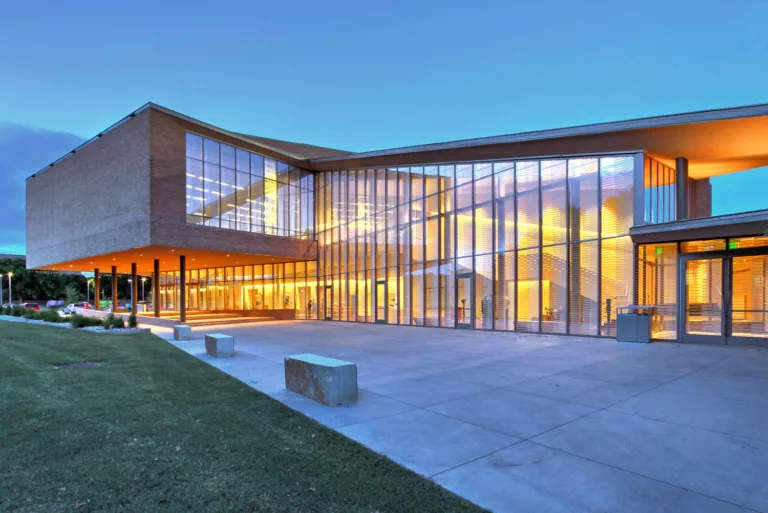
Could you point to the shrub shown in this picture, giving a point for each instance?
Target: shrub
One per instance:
(17, 311)
(49, 315)
(113, 322)
(81, 321)
(118, 323)
(5, 310)
(132, 320)
(31, 313)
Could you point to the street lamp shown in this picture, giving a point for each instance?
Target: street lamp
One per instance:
(143, 281)
(10, 292)
(130, 281)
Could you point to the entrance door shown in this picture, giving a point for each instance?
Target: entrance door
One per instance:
(703, 300)
(748, 300)
(381, 302)
(327, 306)
(464, 305)
(725, 298)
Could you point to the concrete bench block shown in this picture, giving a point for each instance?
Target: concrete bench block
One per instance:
(182, 332)
(327, 381)
(220, 345)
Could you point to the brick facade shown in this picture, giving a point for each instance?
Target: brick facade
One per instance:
(127, 189)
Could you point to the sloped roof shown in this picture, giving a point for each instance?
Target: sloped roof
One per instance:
(305, 151)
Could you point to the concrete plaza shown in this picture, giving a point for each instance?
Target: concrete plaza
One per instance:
(517, 422)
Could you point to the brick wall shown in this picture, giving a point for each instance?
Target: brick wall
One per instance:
(93, 202)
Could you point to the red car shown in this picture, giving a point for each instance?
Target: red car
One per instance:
(31, 306)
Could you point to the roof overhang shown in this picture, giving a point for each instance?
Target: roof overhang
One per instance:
(714, 141)
(144, 258)
(732, 225)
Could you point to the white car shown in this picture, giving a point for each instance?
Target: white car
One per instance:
(67, 310)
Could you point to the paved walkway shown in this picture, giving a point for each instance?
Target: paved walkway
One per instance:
(519, 423)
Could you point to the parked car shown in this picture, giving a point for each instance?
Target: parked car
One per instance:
(71, 308)
(67, 310)
(31, 306)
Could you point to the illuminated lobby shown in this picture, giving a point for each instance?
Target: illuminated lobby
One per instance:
(541, 232)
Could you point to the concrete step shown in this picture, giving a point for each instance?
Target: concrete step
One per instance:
(226, 320)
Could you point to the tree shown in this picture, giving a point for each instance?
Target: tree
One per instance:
(71, 294)
(38, 285)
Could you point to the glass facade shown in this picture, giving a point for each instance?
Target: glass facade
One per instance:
(228, 187)
(283, 286)
(533, 245)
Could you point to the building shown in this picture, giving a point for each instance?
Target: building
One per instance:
(550, 231)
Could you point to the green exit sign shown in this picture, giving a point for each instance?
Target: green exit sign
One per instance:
(733, 245)
(658, 250)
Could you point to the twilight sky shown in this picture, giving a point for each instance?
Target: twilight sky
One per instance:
(363, 75)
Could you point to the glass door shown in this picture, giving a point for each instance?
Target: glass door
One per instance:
(381, 302)
(464, 303)
(327, 304)
(749, 300)
(703, 312)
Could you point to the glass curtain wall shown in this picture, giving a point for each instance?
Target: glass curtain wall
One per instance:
(537, 245)
(284, 286)
(228, 187)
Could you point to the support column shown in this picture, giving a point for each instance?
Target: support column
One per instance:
(156, 288)
(182, 289)
(134, 288)
(114, 289)
(681, 187)
(96, 289)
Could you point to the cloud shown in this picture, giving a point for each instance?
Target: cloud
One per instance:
(23, 151)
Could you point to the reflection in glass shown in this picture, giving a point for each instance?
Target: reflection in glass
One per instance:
(519, 239)
(226, 188)
(704, 296)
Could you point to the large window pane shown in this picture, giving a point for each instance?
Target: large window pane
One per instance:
(505, 206)
(432, 291)
(554, 287)
(584, 306)
(616, 178)
(528, 290)
(553, 201)
(615, 281)
(657, 286)
(504, 306)
(527, 204)
(484, 292)
(582, 191)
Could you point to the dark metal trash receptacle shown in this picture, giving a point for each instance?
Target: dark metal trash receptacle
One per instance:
(633, 323)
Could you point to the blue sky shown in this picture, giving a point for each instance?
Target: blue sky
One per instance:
(363, 75)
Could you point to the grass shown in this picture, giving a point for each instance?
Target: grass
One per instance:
(153, 428)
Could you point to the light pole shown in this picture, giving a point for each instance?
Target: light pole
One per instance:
(143, 281)
(88, 291)
(10, 291)
(130, 281)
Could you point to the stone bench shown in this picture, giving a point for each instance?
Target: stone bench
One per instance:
(327, 381)
(182, 332)
(219, 345)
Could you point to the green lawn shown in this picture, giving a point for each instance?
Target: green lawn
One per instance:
(153, 428)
